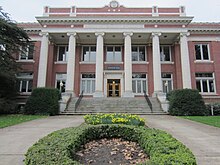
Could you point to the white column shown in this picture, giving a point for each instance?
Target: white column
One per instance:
(128, 65)
(99, 65)
(156, 64)
(184, 50)
(71, 64)
(42, 70)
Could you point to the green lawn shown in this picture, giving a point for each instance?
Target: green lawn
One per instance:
(209, 120)
(9, 120)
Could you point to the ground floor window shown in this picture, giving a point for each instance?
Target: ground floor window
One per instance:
(25, 82)
(139, 83)
(167, 82)
(61, 81)
(87, 83)
(205, 82)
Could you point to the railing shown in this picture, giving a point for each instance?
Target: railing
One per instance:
(78, 101)
(148, 101)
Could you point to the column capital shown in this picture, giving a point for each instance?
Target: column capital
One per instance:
(184, 34)
(71, 34)
(158, 34)
(44, 34)
(99, 34)
(128, 34)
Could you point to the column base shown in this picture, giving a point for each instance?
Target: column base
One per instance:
(98, 94)
(128, 94)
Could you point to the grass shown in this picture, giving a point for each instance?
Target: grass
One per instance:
(9, 120)
(209, 120)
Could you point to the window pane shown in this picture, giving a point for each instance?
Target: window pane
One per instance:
(30, 85)
(83, 88)
(198, 86)
(211, 86)
(88, 75)
(166, 51)
(198, 52)
(204, 75)
(109, 55)
(164, 86)
(205, 85)
(134, 56)
(141, 53)
(138, 86)
(61, 55)
(169, 86)
(93, 54)
(93, 86)
(31, 52)
(134, 86)
(85, 53)
(144, 85)
(118, 54)
(88, 86)
(205, 52)
(24, 86)
(166, 75)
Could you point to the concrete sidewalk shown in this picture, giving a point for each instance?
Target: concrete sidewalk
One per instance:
(201, 139)
(15, 140)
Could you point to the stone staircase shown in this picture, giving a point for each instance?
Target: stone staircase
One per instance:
(137, 105)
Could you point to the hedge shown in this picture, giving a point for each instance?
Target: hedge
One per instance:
(60, 147)
(186, 102)
(43, 101)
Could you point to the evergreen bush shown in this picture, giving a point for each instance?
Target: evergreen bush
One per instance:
(186, 102)
(43, 101)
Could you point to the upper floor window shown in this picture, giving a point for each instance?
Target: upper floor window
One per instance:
(62, 53)
(27, 53)
(205, 82)
(138, 53)
(61, 81)
(139, 83)
(113, 54)
(167, 82)
(25, 82)
(202, 52)
(165, 53)
(89, 53)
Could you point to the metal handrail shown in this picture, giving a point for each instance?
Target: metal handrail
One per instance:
(78, 100)
(148, 101)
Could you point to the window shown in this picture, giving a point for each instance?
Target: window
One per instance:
(25, 82)
(139, 83)
(167, 82)
(138, 53)
(27, 53)
(61, 81)
(113, 54)
(89, 54)
(202, 52)
(87, 83)
(205, 82)
(62, 53)
(165, 53)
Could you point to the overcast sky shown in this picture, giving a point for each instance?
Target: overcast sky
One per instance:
(26, 10)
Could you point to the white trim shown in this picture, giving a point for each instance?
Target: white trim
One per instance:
(84, 62)
(113, 46)
(200, 79)
(26, 61)
(138, 49)
(112, 62)
(201, 38)
(60, 62)
(201, 51)
(162, 49)
(140, 62)
(203, 61)
(81, 59)
(167, 62)
(66, 53)
(167, 79)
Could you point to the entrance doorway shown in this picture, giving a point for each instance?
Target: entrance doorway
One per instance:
(113, 88)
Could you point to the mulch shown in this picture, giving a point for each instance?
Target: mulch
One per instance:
(111, 151)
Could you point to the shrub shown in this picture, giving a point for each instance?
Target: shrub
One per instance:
(127, 119)
(216, 109)
(43, 101)
(186, 102)
(60, 147)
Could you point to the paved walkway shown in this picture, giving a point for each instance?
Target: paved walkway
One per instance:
(203, 140)
(15, 140)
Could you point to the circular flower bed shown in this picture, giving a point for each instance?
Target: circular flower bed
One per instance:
(60, 147)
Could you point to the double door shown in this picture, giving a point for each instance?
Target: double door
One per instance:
(113, 88)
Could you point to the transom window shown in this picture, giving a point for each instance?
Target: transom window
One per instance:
(205, 82)
(165, 53)
(61, 81)
(89, 53)
(167, 82)
(62, 53)
(87, 83)
(139, 83)
(25, 82)
(202, 52)
(113, 54)
(27, 53)
(138, 53)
